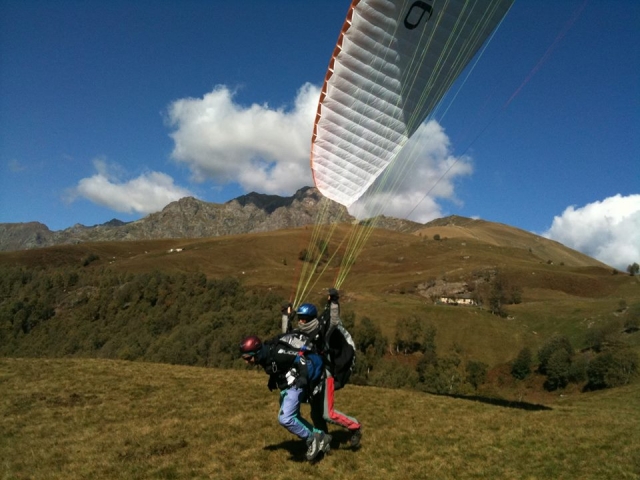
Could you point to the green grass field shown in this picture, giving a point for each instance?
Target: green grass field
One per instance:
(103, 419)
(75, 418)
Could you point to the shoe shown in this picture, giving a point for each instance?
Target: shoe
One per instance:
(356, 436)
(313, 446)
(325, 443)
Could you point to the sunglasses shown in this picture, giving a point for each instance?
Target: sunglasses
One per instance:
(248, 356)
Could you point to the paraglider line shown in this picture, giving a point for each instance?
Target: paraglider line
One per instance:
(549, 51)
(531, 74)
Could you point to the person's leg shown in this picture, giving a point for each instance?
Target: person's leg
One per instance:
(289, 415)
(317, 409)
(331, 414)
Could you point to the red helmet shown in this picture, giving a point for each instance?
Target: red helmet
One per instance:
(250, 345)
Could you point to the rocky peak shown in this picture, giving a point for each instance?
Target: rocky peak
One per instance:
(188, 218)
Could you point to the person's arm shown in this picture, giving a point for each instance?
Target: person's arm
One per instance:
(286, 318)
(333, 302)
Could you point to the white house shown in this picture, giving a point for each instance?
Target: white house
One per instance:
(465, 299)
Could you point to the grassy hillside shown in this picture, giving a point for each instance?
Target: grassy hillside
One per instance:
(500, 235)
(104, 419)
(563, 292)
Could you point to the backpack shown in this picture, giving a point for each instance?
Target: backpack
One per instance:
(311, 360)
(314, 367)
(341, 351)
(295, 340)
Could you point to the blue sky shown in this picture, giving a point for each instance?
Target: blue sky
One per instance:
(115, 108)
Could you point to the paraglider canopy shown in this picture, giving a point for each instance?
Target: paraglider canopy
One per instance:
(393, 62)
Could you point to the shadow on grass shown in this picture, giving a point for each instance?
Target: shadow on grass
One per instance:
(500, 402)
(298, 448)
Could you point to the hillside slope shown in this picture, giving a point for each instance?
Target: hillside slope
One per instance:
(102, 420)
(390, 280)
(501, 235)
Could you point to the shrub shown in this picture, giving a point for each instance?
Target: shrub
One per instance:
(92, 257)
(304, 256)
(367, 335)
(414, 335)
(612, 369)
(521, 367)
(558, 367)
(578, 369)
(597, 339)
(440, 374)
(476, 373)
(545, 352)
(390, 373)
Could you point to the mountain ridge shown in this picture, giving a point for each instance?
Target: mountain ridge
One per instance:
(190, 218)
(187, 217)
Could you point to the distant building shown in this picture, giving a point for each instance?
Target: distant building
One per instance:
(465, 299)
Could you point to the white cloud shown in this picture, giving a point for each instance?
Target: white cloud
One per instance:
(267, 150)
(263, 149)
(424, 171)
(150, 192)
(608, 230)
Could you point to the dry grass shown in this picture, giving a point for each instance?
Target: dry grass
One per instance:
(96, 419)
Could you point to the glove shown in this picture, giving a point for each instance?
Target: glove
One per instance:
(286, 309)
(272, 384)
(291, 377)
(334, 295)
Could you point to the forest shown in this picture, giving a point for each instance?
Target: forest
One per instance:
(188, 319)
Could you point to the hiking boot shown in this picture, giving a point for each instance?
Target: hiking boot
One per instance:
(313, 446)
(356, 436)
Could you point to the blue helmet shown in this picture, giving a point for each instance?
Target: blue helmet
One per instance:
(307, 310)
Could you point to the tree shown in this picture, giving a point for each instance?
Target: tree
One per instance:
(390, 373)
(440, 374)
(521, 367)
(407, 338)
(545, 352)
(603, 336)
(414, 335)
(476, 373)
(578, 369)
(558, 369)
(612, 369)
(633, 269)
(367, 335)
(501, 291)
(495, 302)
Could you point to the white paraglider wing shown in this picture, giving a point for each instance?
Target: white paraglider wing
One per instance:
(393, 62)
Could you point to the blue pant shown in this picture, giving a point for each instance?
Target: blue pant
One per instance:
(289, 416)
